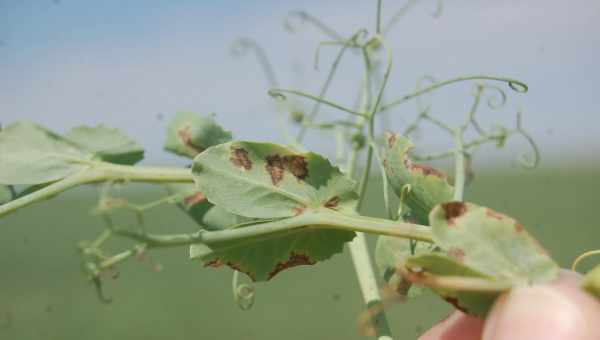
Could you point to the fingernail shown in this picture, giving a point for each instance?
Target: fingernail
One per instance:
(535, 313)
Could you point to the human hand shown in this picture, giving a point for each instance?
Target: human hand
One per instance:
(560, 310)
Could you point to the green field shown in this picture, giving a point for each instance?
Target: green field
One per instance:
(43, 295)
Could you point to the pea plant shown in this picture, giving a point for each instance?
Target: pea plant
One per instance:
(262, 208)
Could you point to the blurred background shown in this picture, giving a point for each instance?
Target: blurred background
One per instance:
(133, 64)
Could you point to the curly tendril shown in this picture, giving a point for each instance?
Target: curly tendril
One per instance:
(296, 19)
(497, 100)
(396, 17)
(514, 84)
(528, 161)
(243, 294)
(243, 46)
(279, 94)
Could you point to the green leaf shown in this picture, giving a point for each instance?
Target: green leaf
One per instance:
(467, 289)
(491, 243)
(264, 180)
(428, 187)
(31, 154)
(6, 195)
(107, 144)
(392, 253)
(591, 282)
(188, 134)
(263, 258)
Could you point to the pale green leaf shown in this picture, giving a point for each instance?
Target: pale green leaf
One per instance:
(31, 154)
(491, 243)
(591, 282)
(107, 144)
(264, 180)
(428, 187)
(188, 134)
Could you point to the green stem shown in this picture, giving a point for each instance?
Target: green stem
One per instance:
(513, 83)
(323, 92)
(279, 93)
(459, 172)
(320, 219)
(100, 172)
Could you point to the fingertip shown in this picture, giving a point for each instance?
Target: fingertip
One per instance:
(541, 312)
(456, 326)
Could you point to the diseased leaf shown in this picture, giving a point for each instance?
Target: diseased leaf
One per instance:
(467, 289)
(107, 144)
(30, 154)
(262, 258)
(188, 134)
(6, 195)
(391, 253)
(491, 243)
(483, 253)
(591, 282)
(270, 182)
(264, 180)
(428, 187)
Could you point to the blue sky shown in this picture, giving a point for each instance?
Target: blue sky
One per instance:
(65, 63)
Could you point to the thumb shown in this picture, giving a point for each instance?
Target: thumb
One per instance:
(560, 310)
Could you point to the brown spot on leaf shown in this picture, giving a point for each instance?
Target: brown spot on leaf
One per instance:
(492, 214)
(185, 137)
(426, 170)
(275, 168)
(453, 210)
(213, 263)
(519, 227)
(457, 254)
(332, 203)
(298, 210)
(194, 199)
(297, 165)
(240, 158)
(294, 260)
(391, 139)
